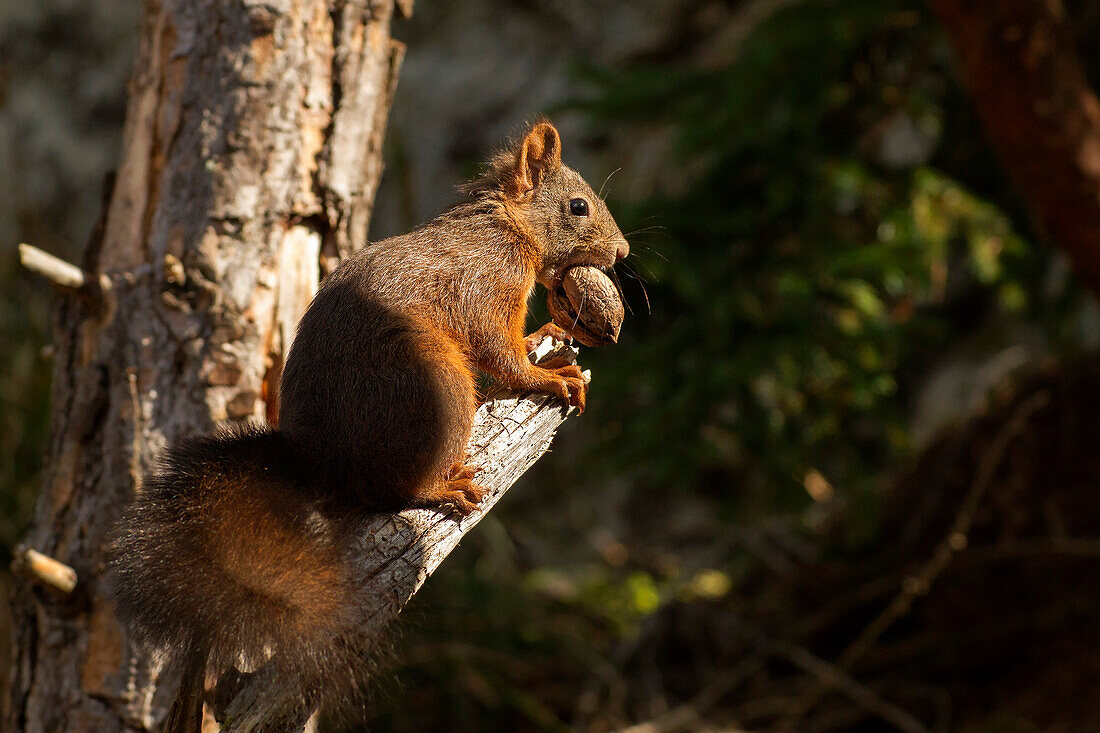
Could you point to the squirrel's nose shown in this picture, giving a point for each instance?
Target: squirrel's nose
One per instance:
(622, 249)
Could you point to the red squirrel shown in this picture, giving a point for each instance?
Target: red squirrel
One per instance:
(232, 549)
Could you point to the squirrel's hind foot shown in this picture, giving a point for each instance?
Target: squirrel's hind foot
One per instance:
(461, 471)
(456, 491)
(462, 494)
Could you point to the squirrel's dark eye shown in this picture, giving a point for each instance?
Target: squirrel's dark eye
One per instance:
(578, 207)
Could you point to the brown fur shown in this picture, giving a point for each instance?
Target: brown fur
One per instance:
(234, 547)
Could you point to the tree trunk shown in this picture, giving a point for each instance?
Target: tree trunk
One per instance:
(1019, 62)
(251, 155)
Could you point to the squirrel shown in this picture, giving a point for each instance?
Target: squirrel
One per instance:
(232, 549)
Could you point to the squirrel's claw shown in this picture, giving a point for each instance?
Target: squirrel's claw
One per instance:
(463, 495)
(462, 471)
(571, 386)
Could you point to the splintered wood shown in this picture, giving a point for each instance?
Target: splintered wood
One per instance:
(511, 432)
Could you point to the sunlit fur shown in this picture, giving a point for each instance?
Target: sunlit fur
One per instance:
(238, 545)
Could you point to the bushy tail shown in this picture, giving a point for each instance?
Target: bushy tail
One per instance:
(228, 557)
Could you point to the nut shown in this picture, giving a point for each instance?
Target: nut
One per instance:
(587, 305)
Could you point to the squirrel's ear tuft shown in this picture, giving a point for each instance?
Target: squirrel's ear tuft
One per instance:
(538, 154)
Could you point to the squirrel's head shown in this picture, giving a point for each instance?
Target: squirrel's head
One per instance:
(567, 220)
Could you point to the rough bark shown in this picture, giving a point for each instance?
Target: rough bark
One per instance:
(1020, 65)
(250, 158)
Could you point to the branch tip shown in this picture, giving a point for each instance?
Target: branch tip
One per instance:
(54, 269)
(44, 569)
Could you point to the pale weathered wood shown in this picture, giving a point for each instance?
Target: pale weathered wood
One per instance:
(44, 569)
(55, 270)
(249, 162)
(397, 553)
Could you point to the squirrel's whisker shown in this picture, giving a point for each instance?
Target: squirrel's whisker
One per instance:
(633, 274)
(619, 286)
(651, 250)
(643, 230)
(608, 179)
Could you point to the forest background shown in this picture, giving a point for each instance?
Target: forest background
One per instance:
(839, 301)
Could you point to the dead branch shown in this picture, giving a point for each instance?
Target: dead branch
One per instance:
(55, 270)
(832, 676)
(399, 552)
(920, 583)
(63, 274)
(44, 570)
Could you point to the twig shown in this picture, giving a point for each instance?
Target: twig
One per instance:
(682, 716)
(44, 569)
(834, 677)
(920, 582)
(52, 268)
(62, 273)
(1069, 547)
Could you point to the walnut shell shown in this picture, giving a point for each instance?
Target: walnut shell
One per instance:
(587, 305)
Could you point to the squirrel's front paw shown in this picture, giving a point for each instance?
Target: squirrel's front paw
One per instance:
(569, 385)
(552, 330)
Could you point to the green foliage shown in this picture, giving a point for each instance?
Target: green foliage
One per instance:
(63, 74)
(828, 225)
(620, 602)
(24, 400)
(814, 256)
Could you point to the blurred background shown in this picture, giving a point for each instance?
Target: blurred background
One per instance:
(840, 471)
